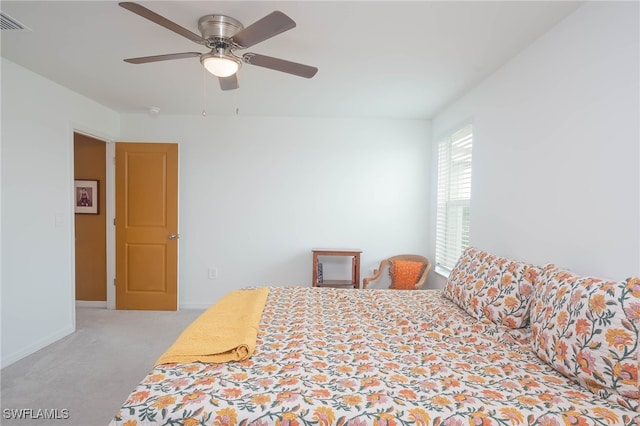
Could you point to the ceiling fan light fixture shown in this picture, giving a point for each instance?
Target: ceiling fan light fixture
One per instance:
(220, 65)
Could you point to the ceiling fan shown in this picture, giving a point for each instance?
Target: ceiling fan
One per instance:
(224, 35)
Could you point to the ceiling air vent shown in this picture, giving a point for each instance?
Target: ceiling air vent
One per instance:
(8, 23)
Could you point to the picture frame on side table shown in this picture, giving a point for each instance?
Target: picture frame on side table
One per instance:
(86, 196)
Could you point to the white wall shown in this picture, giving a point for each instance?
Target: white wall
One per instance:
(556, 146)
(555, 178)
(38, 290)
(257, 194)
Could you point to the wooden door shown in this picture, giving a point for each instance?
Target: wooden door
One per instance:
(146, 226)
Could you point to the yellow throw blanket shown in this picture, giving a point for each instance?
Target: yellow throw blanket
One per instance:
(227, 331)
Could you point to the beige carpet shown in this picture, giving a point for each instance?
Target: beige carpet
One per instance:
(91, 372)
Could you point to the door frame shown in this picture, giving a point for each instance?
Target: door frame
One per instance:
(110, 208)
(111, 228)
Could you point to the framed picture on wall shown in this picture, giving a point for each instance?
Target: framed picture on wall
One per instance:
(86, 196)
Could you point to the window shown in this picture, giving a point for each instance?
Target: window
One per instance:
(454, 197)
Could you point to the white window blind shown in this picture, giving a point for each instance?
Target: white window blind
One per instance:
(454, 197)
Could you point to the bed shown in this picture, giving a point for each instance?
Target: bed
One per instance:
(328, 356)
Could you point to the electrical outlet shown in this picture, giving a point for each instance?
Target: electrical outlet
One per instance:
(213, 273)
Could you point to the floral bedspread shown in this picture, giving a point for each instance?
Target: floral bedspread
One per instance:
(370, 357)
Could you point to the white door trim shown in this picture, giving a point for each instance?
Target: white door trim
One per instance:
(111, 228)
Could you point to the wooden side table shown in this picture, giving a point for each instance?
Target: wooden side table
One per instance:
(355, 268)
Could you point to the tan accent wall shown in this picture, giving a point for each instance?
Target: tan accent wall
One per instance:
(91, 239)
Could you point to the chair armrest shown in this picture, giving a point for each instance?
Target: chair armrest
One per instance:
(423, 278)
(377, 275)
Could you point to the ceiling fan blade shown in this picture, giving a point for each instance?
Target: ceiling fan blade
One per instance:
(289, 67)
(162, 21)
(157, 58)
(229, 83)
(267, 27)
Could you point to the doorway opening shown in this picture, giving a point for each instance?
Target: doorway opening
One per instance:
(90, 202)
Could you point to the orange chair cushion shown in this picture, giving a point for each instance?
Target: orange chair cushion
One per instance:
(406, 273)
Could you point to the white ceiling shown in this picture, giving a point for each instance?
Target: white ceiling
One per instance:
(376, 59)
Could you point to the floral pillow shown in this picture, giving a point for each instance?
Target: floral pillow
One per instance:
(587, 329)
(492, 287)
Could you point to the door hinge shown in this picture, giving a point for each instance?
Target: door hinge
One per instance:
(114, 282)
(114, 221)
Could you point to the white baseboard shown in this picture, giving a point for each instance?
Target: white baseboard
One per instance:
(199, 306)
(91, 304)
(103, 305)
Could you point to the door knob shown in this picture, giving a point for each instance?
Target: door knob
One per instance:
(174, 236)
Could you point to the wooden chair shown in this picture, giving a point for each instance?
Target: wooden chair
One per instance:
(407, 272)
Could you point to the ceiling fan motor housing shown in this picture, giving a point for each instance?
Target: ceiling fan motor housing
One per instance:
(218, 26)
(217, 30)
